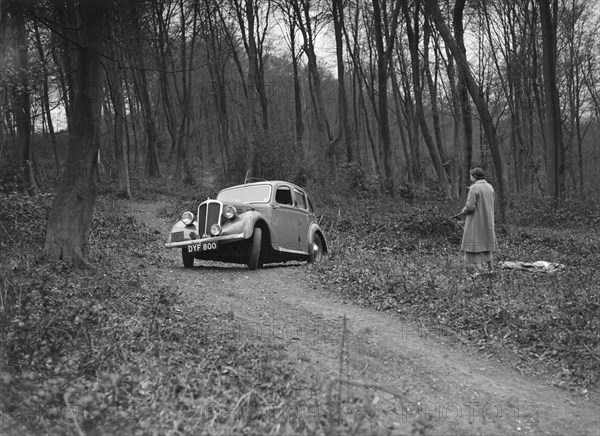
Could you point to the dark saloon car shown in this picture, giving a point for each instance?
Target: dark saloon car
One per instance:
(254, 224)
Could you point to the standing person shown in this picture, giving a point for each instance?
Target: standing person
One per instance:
(479, 236)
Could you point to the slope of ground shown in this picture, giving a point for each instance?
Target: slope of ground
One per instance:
(406, 377)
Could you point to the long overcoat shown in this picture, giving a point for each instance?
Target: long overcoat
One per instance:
(479, 234)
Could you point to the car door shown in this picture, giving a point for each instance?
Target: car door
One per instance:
(286, 221)
(301, 203)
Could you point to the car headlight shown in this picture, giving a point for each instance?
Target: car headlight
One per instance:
(215, 230)
(229, 212)
(187, 218)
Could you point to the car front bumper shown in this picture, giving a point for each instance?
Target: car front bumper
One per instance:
(226, 239)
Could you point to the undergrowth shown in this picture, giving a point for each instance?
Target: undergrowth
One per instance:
(108, 350)
(398, 257)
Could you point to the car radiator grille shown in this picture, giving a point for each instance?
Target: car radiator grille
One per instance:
(209, 213)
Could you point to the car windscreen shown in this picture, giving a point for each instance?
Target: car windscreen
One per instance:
(246, 194)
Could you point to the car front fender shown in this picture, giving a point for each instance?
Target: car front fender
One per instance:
(181, 227)
(250, 219)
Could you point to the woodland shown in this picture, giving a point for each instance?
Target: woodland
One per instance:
(386, 93)
(378, 107)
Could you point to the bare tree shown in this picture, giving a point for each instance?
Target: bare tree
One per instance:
(45, 97)
(152, 168)
(217, 61)
(412, 31)
(307, 21)
(555, 153)
(114, 79)
(21, 92)
(385, 27)
(289, 19)
(71, 215)
(433, 11)
(344, 135)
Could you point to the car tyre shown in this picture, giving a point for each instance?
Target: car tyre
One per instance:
(188, 259)
(316, 250)
(254, 258)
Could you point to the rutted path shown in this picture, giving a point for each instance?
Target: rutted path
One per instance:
(416, 374)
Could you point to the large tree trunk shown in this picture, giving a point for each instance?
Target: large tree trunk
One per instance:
(555, 153)
(385, 34)
(72, 209)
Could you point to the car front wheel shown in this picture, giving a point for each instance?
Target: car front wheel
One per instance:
(188, 259)
(255, 249)
(316, 250)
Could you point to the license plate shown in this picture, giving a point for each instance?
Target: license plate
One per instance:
(206, 246)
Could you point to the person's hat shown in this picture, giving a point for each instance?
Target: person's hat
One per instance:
(478, 173)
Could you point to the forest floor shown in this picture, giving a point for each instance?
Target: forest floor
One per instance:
(415, 379)
(385, 336)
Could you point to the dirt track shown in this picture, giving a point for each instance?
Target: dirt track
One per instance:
(415, 373)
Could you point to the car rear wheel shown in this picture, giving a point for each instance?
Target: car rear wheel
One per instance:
(316, 250)
(255, 249)
(188, 259)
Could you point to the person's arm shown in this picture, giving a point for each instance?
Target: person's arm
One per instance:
(471, 202)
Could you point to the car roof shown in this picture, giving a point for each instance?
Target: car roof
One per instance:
(265, 182)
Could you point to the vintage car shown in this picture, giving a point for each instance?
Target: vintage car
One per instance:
(254, 223)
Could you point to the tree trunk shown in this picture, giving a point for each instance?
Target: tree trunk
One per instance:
(303, 17)
(463, 95)
(457, 186)
(46, 97)
(385, 34)
(412, 125)
(344, 135)
(299, 122)
(216, 73)
(183, 167)
(413, 38)
(22, 99)
(555, 153)
(161, 28)
(115, 82)
(72, 209)
(250, 121)
(435, 15)
(399, 111)
(435, 113)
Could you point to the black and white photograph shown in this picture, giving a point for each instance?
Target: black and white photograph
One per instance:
(299, 217)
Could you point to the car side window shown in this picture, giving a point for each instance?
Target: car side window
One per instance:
(300, 199)
(284, 195)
